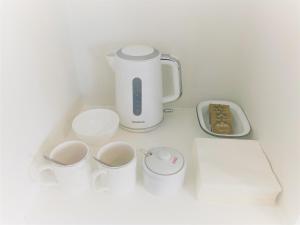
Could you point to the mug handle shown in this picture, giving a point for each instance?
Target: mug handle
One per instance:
(95, 176)
(38, 170)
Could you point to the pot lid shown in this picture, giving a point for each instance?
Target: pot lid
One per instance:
(164, 161)
(137, 52)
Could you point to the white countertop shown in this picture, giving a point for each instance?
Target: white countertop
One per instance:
(178, 130)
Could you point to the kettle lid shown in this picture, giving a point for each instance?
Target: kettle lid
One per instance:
(137, 52)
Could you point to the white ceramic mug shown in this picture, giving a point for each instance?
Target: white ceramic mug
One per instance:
(70, 168)
(116, 168)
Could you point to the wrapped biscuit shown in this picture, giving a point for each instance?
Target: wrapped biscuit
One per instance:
(220, 118)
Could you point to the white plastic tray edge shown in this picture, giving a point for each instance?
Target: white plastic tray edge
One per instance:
(59, 132)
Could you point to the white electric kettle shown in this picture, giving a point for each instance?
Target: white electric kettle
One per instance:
(138, 86)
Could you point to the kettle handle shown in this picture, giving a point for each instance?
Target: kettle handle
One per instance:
(176, 73)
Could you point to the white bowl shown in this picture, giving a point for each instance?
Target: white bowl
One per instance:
(240, 124)
(96, 126)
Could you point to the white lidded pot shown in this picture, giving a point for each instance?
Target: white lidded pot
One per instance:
(163, 171)
(138, 86)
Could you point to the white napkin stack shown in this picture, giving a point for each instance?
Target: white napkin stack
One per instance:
(234, 171)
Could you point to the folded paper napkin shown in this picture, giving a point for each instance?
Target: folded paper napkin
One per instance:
(234, 171)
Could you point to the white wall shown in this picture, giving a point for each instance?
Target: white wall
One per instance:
(204, 35)
(270, 91)
(38, 85)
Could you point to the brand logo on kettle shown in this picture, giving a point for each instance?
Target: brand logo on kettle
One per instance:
(137, 121)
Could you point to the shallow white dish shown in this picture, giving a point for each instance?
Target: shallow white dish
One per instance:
(96, 126)
(240, 123)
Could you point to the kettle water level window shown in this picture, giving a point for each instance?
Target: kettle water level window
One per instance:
(137, 96)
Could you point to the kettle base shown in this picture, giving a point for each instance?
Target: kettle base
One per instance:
(141, 130)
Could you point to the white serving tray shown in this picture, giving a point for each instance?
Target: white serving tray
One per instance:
(240, 123)
(49, 201)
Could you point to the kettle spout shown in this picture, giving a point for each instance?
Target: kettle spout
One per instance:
(111, 59)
